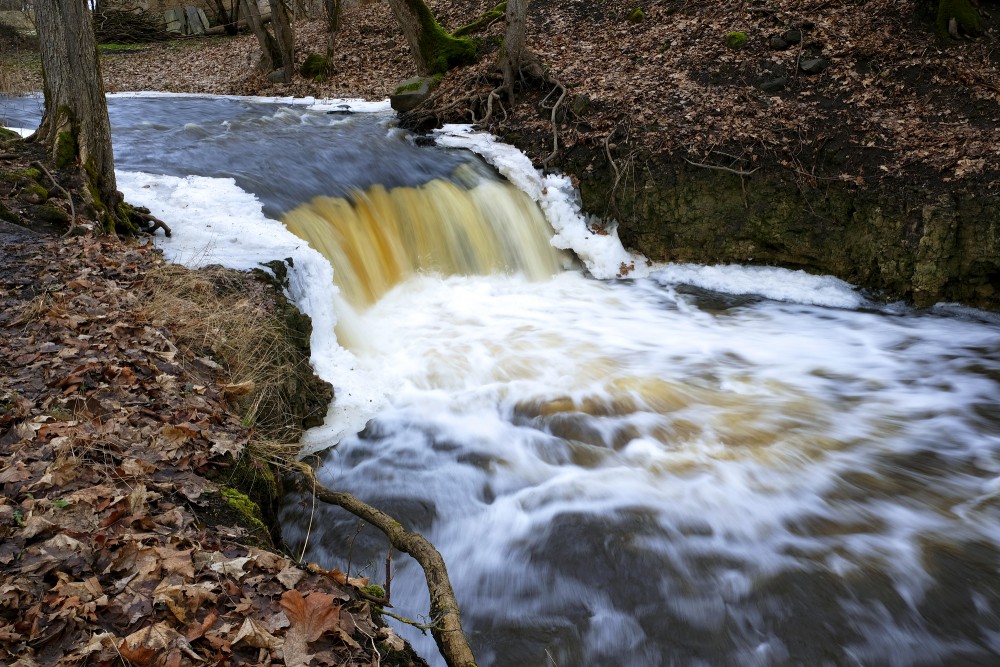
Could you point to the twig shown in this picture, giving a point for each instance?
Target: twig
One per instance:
(72, 208)
(309, 528)
(350, 549)
(738, 172)
(388, 575)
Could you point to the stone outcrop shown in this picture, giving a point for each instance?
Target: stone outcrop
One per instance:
(898, 241)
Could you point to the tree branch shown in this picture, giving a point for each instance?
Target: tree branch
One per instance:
(447, 627)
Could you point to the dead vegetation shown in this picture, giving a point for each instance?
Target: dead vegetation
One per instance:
(123, 536)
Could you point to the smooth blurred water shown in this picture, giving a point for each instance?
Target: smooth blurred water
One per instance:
(641, 472)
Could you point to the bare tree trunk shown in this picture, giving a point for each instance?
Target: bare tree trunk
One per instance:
(281, 19)
(75, 125)
(333, 25)
(434, 50)
(514, 44)
(270, 56)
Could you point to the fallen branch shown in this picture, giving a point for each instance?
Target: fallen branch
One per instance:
(447, 622)
(738, 172)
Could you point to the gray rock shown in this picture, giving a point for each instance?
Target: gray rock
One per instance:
(277, 76)
(774, 85)
(410, 93)
(813, 65)
(778, 44)
(580, 106)
(792, 36)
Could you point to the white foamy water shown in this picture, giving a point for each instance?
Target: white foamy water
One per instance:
(703, 466)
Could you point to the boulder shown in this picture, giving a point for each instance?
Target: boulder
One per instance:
(813, 65)
(411, 92)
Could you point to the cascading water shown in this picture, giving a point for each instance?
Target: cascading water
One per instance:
(705, 466)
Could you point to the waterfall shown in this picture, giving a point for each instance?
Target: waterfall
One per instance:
(378, 238)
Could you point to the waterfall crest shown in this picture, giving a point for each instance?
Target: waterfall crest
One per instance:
(377, 238)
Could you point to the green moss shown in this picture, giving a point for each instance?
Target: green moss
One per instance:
(736, 40)
(20, 176)
(636, 16)
(8, 215)
(483, 21)
(65, 153)
(35, 189)
(440, 50)
(9, 134)
(316, 67)
(374, 590)
(965, 14)
(407, 88)
(50, 213)
(247, 508)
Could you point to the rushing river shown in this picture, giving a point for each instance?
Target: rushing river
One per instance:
(697, 466)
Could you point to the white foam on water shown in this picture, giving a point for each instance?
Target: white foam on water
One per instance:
(215, 222)
(353, 105)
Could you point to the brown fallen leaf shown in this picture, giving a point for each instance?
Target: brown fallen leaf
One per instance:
(256, 635)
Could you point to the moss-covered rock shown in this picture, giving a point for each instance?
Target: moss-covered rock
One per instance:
(6, 133)
(636, 16)
(962, 12)
(20, 176)
(53, 214)
(33, 193)
(736, 40)
(316, 67)
(248, 510)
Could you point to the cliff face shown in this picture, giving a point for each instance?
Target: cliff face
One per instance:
(901, 242)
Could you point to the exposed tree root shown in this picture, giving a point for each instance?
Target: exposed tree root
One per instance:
(146, 221)
(446, 626)
(69, 197)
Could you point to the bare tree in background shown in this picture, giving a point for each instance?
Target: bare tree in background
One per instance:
(278, 49)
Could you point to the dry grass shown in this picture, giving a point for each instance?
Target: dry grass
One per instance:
(214, 313)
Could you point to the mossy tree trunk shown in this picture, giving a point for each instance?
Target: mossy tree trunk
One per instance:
(955, 15)
(434, 50)
(75, 125)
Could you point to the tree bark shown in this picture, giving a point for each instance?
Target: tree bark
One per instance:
(514, 44)
(434, 50)
(333, 25)
(284, 34)
(75, 125)
(270, 55)
(446, 620)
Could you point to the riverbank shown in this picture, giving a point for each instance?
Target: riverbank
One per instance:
(836, 137)
(144, 411)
